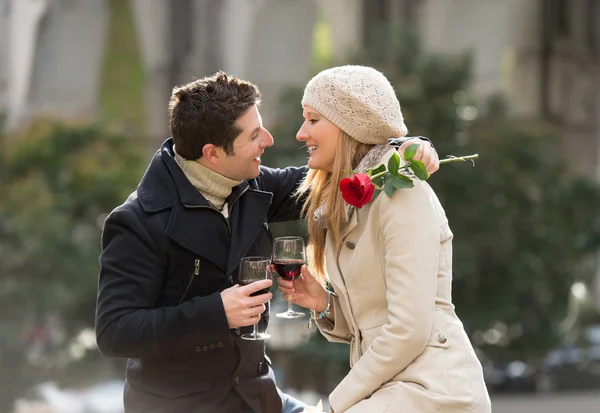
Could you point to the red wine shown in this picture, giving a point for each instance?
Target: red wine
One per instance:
(259, 292)
(288, 269)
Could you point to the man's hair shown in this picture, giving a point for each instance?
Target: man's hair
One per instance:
(205, 111)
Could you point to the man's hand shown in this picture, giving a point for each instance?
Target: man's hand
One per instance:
(240, 308)
(425, 154)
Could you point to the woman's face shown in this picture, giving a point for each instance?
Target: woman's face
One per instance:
(321, 139)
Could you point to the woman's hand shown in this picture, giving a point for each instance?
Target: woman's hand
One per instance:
(305, 291)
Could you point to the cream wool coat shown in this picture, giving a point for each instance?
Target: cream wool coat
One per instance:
(409, 351)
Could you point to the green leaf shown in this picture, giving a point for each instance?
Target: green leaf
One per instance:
(389, 187)
(399, 183)
(403, 177)
(419, 170)
(375, 171)
(394, 163)
(411, 151)
(378, 182)
(375, 194)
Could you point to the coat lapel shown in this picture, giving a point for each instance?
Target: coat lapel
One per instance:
(352, 222)
(189, 227)
(248, 216)
(378, 155)
(194, 223)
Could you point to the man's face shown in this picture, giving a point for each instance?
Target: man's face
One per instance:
(247, 147)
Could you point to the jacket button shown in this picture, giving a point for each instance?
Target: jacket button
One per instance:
(236, 381)
(441, 338)
(350, 245)
(230, 280)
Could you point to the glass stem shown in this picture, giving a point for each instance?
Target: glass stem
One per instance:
(255, 331)
(290, 309)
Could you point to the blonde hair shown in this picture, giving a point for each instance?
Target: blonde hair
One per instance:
(322, 188)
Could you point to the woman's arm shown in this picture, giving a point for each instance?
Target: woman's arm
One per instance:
(309, 293)
(335, 327)
(412, 241)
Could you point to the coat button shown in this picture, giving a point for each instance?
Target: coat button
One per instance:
(441, 338)
(350, 245)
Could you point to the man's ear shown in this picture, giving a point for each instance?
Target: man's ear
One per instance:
(211, 153)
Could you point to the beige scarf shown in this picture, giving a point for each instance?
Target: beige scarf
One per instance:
(212, 185)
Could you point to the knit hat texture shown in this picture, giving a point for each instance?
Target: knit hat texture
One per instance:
(359, 100)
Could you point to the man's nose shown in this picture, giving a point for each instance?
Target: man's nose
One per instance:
(267, 140)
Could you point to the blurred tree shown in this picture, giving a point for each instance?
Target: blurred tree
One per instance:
(58, 184)
(523, 225)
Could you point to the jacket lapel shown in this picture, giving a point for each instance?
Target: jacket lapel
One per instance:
(378, 155)
(352, 222)
(202, 230)
(248, 216)
(195, 224)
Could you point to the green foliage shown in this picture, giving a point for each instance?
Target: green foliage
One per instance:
(523, 227)
(123, 77)
(58, 184)
(522, 223)
(399, 177)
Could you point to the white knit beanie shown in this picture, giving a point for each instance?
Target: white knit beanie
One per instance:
(359, 100)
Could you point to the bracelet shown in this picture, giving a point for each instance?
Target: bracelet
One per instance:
(325, 313)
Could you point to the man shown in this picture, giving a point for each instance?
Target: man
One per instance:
(168, 297)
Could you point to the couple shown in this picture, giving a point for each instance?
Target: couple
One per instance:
(169, 298)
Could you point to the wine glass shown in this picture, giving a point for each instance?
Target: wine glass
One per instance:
(255, 269)
(288, 259)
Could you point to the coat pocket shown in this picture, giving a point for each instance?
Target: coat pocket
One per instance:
(193, 275)
(429, 371)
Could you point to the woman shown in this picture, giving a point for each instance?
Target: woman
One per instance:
(389, 262)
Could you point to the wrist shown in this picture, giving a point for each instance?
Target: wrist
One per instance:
(322, 302)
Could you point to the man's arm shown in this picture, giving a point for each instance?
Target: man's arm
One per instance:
(282, 183)
(128, 324)
(399, 141)
(426, 152)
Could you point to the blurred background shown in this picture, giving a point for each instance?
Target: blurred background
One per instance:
(84, 86)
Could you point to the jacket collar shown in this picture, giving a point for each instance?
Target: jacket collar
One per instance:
(156, 191)
(378, 155)
(165, 186)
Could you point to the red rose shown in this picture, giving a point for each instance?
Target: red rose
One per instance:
(358, 190)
